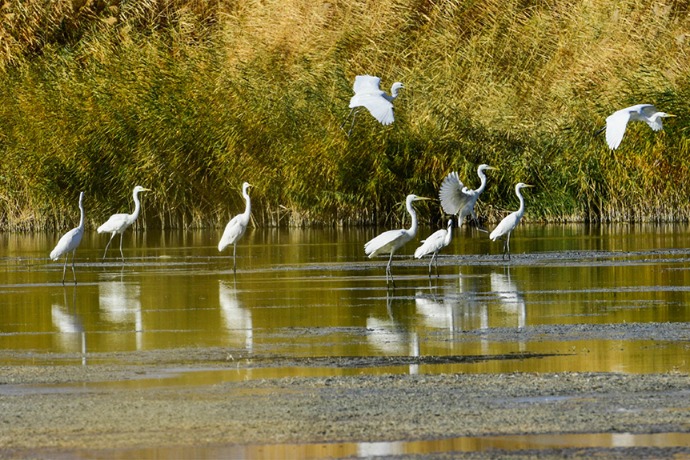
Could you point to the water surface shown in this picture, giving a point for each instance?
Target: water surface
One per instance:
(312, 293)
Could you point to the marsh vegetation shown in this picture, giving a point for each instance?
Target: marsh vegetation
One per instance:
(191, 98)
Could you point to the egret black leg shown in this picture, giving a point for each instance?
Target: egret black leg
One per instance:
(112, 235)
(74, 274)
(121, 254)
(64, 268)
(389, 273)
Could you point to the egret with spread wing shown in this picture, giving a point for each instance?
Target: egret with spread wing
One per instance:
(458, 199)
(390, 241)
(118, 223)
(617, 122)
(69, 242)
(369, 95)
(434, 243)
(508, 224)
(236, 227)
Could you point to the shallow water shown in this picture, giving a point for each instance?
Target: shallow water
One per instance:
(300, 298)
(312, 293)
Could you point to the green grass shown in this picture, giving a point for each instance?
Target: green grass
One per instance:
(191, 98)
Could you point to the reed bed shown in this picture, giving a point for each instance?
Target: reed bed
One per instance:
(191, 98)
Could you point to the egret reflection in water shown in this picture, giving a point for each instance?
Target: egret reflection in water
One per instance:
(120, 303)
(69, 325)
(391, 338)
(238, 320)
(511, 300)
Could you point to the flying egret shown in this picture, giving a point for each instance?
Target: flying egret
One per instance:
(118, 223)
(434, 243)
(390, 241)
(618, 121)
(70, 242)
(236, 227)
(458, 199)
(369, 95)
(508, 224)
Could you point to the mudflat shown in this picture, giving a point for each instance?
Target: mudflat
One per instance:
(151, 400)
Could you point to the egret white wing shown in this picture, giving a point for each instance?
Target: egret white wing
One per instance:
(366, 84)
(615, 127)
(114, 224)
(67, 243)
(433, 243)
(453, 194)
(383, 243)
(505, 226)
(379, 107)
(233, 232)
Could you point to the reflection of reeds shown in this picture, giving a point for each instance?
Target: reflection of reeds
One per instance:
(191, 98)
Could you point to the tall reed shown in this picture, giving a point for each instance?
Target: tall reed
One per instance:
(191, 98)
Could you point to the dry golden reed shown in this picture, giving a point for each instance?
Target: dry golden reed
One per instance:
(191, 98)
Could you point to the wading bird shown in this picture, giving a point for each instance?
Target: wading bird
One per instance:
(70, 242)
(390, 241)
(377, 102)
(618, 121)
(236, 227)
(434, 243)
(508, 224)
(118, 223)
(458, 199)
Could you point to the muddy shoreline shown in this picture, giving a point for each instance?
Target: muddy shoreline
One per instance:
(51, 410)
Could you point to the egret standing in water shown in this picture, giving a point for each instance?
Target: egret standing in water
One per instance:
(70, 242)
(390, 241)
(617, 122)
(434, 243)
(118, 223)
(508, 224)
(458, 199)
(369, 95)
(236, 227)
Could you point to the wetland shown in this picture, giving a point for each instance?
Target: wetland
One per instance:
(577, 346)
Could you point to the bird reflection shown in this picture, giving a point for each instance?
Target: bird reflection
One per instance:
(391, 338)
(238, 320)
(511, 299)
(473, 309)
(69, 324)
(120, 303)
(438, 312)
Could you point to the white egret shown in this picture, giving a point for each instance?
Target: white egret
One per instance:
(508, 224)
(434, 243)
(118, 223)
(618, 121)
(236, 227)
(70, 242)
(458, 199)
(369, 95)
(390, 241)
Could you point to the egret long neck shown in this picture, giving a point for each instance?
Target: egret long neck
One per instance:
(413, 215)
(248, 205)
(522, 201)
(137, 206)
(81, 211)
(482, 177)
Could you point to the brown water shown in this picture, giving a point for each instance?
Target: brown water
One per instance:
(313, 293)
(302, 294)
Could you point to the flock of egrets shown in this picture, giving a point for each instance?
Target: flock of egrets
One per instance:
(456, 199)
